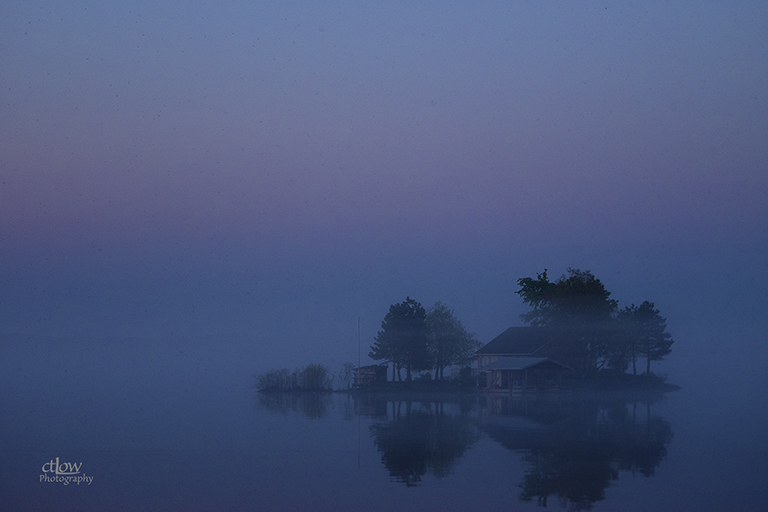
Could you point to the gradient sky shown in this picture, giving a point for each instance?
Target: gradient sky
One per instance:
(274, 170)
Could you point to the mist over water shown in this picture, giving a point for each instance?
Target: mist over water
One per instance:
(190, 196)
(158, 373)
(152, 364)
(179, 421)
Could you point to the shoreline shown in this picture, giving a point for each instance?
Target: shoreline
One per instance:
(577, 387)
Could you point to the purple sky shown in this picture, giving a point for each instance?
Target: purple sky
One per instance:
(278, 170)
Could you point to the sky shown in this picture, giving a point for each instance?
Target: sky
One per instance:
(274, 171)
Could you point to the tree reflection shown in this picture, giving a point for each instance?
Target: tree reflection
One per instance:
(420, 437)
(575, 449)
(309, 405)
(576, 474)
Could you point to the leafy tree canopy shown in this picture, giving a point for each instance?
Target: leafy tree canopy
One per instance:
(449, 341)
(646, 333)
(402, 339)
(578, 303)
(600, 335)
(578, 299)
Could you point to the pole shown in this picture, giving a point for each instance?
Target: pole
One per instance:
(358, 342)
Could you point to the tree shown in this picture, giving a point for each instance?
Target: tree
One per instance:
(645, 332)
(274, 380)
(579, 299)
(578, 303)
(449, 341)
(403, 338)
(315, 377)
(311, 377)
(347, 375)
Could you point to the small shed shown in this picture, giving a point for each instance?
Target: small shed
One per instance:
(524, 373)
(366, 376)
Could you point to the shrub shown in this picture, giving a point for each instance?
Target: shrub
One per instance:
(312, 377)
(276, 380)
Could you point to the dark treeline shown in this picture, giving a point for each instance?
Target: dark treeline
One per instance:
(417, 340)
(601, 335)
(594, 333)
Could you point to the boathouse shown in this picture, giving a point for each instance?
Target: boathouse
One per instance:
(524, 373)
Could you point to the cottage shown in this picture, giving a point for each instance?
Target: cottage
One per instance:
(531, 342)
(524, 373)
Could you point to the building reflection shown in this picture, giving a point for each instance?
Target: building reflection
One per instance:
(575, 449)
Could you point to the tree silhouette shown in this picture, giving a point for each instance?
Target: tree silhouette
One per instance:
(346, 375)
(449, 341)
(579, 304)
(645, 334)
(402, 339)
(575, 300)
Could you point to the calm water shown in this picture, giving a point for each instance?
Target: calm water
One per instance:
(176, 426)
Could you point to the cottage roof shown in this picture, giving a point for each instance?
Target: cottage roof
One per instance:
(524, 341)
(520, 363)
(515, 363)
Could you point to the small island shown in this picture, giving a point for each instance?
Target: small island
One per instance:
(576, 338)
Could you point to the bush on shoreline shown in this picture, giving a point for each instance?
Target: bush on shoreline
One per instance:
(313, 377)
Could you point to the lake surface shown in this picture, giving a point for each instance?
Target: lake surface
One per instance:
(179, 426)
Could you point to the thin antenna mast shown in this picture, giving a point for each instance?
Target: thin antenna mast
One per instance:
(358, 342)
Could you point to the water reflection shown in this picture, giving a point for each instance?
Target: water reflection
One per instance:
(420, 436)
(309, 405)
(572, 449)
